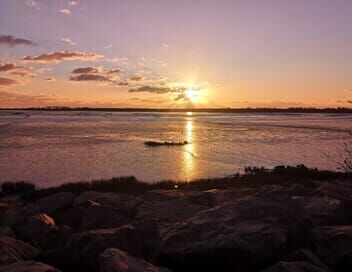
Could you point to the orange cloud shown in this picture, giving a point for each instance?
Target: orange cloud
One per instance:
(8, 81)
(61, 56)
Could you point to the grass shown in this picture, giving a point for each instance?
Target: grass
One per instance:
(253, 176)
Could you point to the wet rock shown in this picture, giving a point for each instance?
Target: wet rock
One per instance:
(334, 246)
(247, 234)
(39, 230)
(51, 204)
(115, 260)
(12, 250)
(28, 266)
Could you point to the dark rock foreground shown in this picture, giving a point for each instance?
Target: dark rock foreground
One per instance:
(271, 228)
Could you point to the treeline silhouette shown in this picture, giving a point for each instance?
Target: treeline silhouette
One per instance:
(208, 110)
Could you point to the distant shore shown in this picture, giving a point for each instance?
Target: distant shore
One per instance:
(201, 110)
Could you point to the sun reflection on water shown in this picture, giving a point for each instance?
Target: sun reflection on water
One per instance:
(189, 149)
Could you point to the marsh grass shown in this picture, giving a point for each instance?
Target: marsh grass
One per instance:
(252, 177)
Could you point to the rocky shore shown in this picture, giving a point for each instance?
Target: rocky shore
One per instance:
(263, 227)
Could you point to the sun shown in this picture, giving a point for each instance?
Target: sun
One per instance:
(192, 94)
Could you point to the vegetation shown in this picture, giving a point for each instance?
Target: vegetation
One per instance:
(253, 176)
(17, 187)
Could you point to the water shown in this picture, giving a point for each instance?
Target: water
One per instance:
(49, 148)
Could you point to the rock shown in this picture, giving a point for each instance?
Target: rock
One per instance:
(323, 210)
(71, 217)
(40, 230)
(163, 195)
(334, 246)
(167, 213)
(12, 250)
(6, 231)
(51, 204)
(298, 190)
(305, 255)
(341, 190)
(115, 260)
(247, 234)
(82, 249)
(295, 267)
(28, 266)
(98, 217)
(202, 198)
(122, 202)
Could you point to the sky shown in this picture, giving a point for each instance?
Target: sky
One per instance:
(176, 54)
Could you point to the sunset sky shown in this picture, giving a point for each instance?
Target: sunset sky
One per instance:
(184, 53)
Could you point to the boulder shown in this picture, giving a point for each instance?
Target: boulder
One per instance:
(99, 217)
(6, 231)
(295, 267)
(334, 246)
(115, 260)
(323, 210)
(71, 217)
(12, 250)
(299, 190)
(247, 234)
(38, 229)
(339, 189)
(122, 202)
(28, 266)
(305, 255)
(51, 204)
(167, 213)
(82, 249)
(162, 195)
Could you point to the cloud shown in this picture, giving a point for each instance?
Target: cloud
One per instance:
(65, 11)
(135, 78)
(165, 45)
(8, 67)
(11, 41)
(349, 101)
(68, 41)
(50, 79)
(32, 3)
(63, 55)
(8, 81)
(151, 89)
(123, 83)
(72, 3)
(86, 70)
(90, 77)
(114, 71)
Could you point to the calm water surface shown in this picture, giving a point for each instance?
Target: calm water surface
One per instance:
(50, 148)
